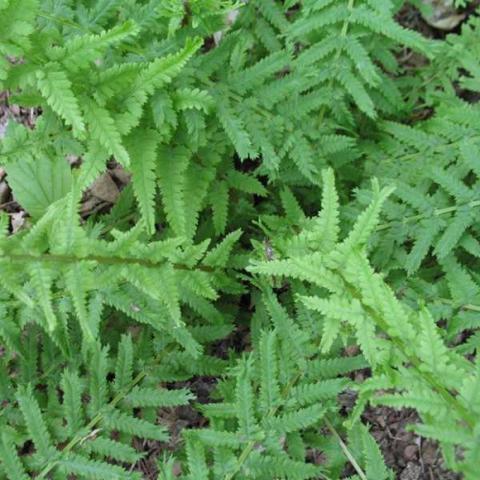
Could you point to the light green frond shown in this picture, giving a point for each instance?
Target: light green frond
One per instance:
(163, 70)
(72, 401)
(368, 220)
(219, 255)
(244, 399)
(56, 88)
(197, 462)
(103, 130)
(124, 363)
(269, 388)
(42, 280)
(134, 426)
(82, 50)
(93, 469)
(328, 222)
(142, 148)
(156, 397)
(77, 280)
(297, 420)
(220, 200)
(108, 448)
(171, 167)
(10, 460)
(35, 422)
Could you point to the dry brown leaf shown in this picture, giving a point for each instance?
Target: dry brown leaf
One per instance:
(17, 221)
(105, 188)
(444, 16)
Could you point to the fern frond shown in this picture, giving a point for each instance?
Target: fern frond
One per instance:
(122, 422)
(124, 363)
(220, 201)
(98, 388)
(72, 401)
(220, 254)
(244, 400)
(171, 167)
(368, 220)
(156, 397)
(77, 280)
(82, 50)
(235, 129)
(197, 462)
(56, 87)
(142, 148)
(10, 460)
(35, 422)
(93, 469)
(163, 70)
(42, 280)
(328, 221)
(269, 388)
(308, 393)
(108, 448)
(102, 129)
(300, 419)
(283, 467)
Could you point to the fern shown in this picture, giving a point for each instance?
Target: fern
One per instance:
(358, 296)
(86, 444)
(288, 404)
(212, 311)
(143, 155)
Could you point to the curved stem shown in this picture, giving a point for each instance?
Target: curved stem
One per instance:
(414, 361)
(345, 450)
(437, 212)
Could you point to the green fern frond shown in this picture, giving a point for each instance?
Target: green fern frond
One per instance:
(42, 280)
(220, 254)
(171, 167)
(122, 422)
(72, 401)
(244, 400)
(155, 397)
(35, 422)
(56, 87)
(108, 448)
(102, 128)
(197, 462)
(142, 148)
(82, 50)
(269, 388)
(93, 469)
(220, 202)
(124, 363)
(300, 419)
(11, 463)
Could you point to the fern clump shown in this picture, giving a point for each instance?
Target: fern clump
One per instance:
(295, 231)
(411, 358)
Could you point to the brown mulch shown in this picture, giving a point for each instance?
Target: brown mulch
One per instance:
(410, 456)
(8, 112)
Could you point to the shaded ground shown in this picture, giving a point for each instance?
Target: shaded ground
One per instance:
(410, 456)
